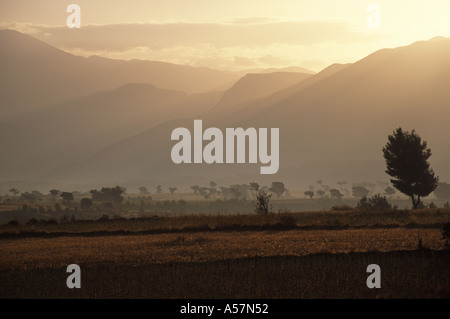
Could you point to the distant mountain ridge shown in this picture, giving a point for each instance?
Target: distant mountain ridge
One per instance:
(49, 75)
(333, 124)
(342, 116)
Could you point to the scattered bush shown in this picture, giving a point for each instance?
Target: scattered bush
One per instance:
(375, 202)
(13, 223)
(263, 206)
(287, 220)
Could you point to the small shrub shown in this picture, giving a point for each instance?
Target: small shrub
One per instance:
(432, 205)
(363, 203)
(263, 206)
(13, 223)
(287, 220)
(447, 204)
(375, 202)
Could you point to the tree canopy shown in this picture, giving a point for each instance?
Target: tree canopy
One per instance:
(360, 191)
(406, 158)
(108, 194)
(277, 188)
(309, 193)
(67, 196)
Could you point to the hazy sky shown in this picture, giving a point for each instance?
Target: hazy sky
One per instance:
(230, 34)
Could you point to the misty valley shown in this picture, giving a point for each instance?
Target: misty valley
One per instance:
(164, 180)
(117, 122)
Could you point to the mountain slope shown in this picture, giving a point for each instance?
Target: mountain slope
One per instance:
(74, 129)
(256, 86)
(342, 117)
(358, 106)
(254, 107)
(36, 74)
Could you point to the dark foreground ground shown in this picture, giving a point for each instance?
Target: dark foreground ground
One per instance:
(404, 274)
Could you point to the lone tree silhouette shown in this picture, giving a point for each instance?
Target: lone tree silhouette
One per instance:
(277, 188)
(263, 206)
(309, 193)
(335, 193)
(360, 191)
(67, 196)
(14, 191)
(54, 192)
(406, 158)
(254, 186)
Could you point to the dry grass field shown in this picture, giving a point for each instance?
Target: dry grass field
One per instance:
(119, 259)
(317, 219)
(205, 246)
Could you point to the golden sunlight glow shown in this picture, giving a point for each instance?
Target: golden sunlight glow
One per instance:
(231, 34)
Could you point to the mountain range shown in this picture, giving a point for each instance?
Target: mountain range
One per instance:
(35, 74)
(76, 120)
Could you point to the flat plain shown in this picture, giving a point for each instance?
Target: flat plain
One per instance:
(262, 261)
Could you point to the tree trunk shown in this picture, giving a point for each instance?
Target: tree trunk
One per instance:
(415, 204)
